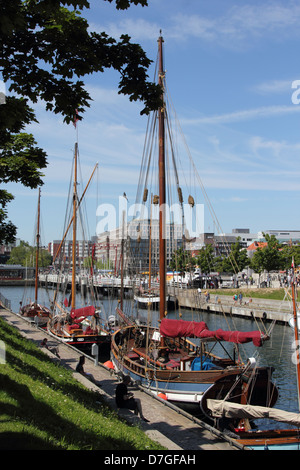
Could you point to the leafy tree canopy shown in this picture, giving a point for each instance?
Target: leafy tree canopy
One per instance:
(237, 259)
(182, 261)
(268, 258)
(206, 260)
(288, 253)
(46, 50)
(25, 255)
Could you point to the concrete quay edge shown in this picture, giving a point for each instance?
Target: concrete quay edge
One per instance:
(252, 308)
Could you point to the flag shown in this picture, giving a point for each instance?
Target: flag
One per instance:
(67, 302)
(293, 263)
(75, 118)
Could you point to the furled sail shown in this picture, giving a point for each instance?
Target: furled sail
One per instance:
(192, 329)
(83, 312)
(222, 408)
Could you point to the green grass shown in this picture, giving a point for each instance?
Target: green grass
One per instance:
(262, 293)
(42, 407)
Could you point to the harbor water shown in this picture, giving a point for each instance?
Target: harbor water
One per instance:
(276, 352)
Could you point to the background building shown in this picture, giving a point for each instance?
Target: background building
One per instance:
(283, 236)
(83, 250)
(137, 245)
(6, 249)
(107, 247)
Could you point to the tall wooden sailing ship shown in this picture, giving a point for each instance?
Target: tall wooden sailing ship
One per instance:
(34, 309)
(80, 327)
(164, 359)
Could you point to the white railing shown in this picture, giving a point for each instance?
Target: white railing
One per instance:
(101, 281)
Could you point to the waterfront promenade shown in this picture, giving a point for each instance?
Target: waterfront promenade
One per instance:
(168, 426)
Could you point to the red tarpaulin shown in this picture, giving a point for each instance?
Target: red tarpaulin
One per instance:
(192, 329)
(83, 312)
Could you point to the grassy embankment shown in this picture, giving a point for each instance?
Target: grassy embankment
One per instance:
(44, 408)
(262, 293)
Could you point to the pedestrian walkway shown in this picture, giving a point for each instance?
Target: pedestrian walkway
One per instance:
(172, 429)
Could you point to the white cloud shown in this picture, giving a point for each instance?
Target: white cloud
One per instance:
(274, 87)
(240, 23)
(286, 154)
(230, 29)
(136, 28)
(236, 199)
(254, 181)
(244, 115)
(258, 19)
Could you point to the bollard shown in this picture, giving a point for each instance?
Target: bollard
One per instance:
(95, 351)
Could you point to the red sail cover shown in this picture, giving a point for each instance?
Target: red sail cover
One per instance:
(83, 312)
(192, 329)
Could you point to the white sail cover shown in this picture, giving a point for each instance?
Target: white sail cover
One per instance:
(221, 408)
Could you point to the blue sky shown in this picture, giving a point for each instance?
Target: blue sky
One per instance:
(230, 66)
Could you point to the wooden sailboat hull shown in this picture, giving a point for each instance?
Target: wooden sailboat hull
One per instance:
(261, 390)
(81, 341)
(279, 439)
(174, 379)
(145, 301)
(153, 301)
(178, 388)
(39, 314)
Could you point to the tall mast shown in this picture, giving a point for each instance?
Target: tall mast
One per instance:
(122, 260)
(296, 332)
(150, 245)
(71, 221)
(162, 188)
(73, 303)
(37, 249)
